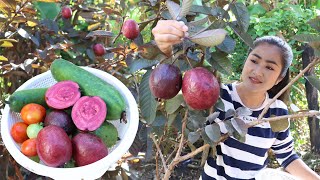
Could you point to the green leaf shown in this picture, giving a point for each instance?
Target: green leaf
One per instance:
(195, 121)
(173, 8)
(317, 52)
(279, 125)
(177, 123)
(220, 62)
(242, 15)
(212, 117)
(219, 104)
(199, 22)
(315, 81)
(148, 104)
(246, 38)
(201, 9)
(140, 64)
(150, 51)
(209, 38)
(26, 35)
(206, 139)
(240, 126)
(239, 136)
(315, 23)
(51, 25)
(185, 8)
(256, 9)
(171, 105)
(213, 132)
(229, 126)
(158, 124)
(172, 117)
(227, 45)
(48, 10)
(243, 111)
(307, 37)
(193, 137)
(100, 33)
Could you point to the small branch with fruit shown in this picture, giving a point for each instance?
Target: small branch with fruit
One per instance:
(178, 158)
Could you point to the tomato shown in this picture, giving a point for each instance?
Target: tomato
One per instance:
(19, 132)
(33, 130)
(33, 113)
(29, 147)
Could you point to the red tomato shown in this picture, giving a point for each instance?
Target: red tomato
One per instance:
(19, 132)
(33, 113)
(29, 147)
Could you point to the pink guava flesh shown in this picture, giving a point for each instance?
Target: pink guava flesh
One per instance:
(89, 112)
(63, 94)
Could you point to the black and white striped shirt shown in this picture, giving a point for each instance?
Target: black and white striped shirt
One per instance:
(237, 160)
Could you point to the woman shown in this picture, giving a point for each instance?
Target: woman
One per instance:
(264, 74)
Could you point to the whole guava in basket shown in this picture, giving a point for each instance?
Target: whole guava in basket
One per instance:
(89, 112)
(108, 133)
(62, 94)
(54, 147)
(88, 148)
(62, 119)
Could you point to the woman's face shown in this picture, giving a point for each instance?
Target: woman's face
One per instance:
(262, 68)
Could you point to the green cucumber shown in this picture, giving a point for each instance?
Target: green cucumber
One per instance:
(90, 85)
(23, 97)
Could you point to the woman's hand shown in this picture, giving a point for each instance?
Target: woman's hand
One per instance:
(167, 33)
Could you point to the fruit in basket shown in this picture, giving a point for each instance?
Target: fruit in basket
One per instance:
(23, 97)
(29, 147)
(88, 148)
(99, 50)
(62, 119)
(108, 133)
(19, 132)
(33, 113)
(165, 81)
(63, 94)
(54, 147)
(88, 113)
(90, 85)
(33, 130)
(200, 88)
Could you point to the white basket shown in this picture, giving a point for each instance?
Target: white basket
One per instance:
(127, 132)
(274, 174)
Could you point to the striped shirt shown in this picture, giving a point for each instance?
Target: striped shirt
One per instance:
(237, 160)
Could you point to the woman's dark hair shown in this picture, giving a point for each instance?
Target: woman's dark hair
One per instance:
(277, 88)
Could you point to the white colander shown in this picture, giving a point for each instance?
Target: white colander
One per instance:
(274, 174)
(127, 132)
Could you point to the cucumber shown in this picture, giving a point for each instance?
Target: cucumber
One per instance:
(90, 85)
(20, 98)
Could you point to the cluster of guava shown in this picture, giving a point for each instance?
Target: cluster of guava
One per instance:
(200, 88)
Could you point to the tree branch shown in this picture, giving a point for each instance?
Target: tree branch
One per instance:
(315, 61)
(160, 153)
(184, 124)
(292, 116)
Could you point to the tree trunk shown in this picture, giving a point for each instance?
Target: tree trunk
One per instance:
(312, 98)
